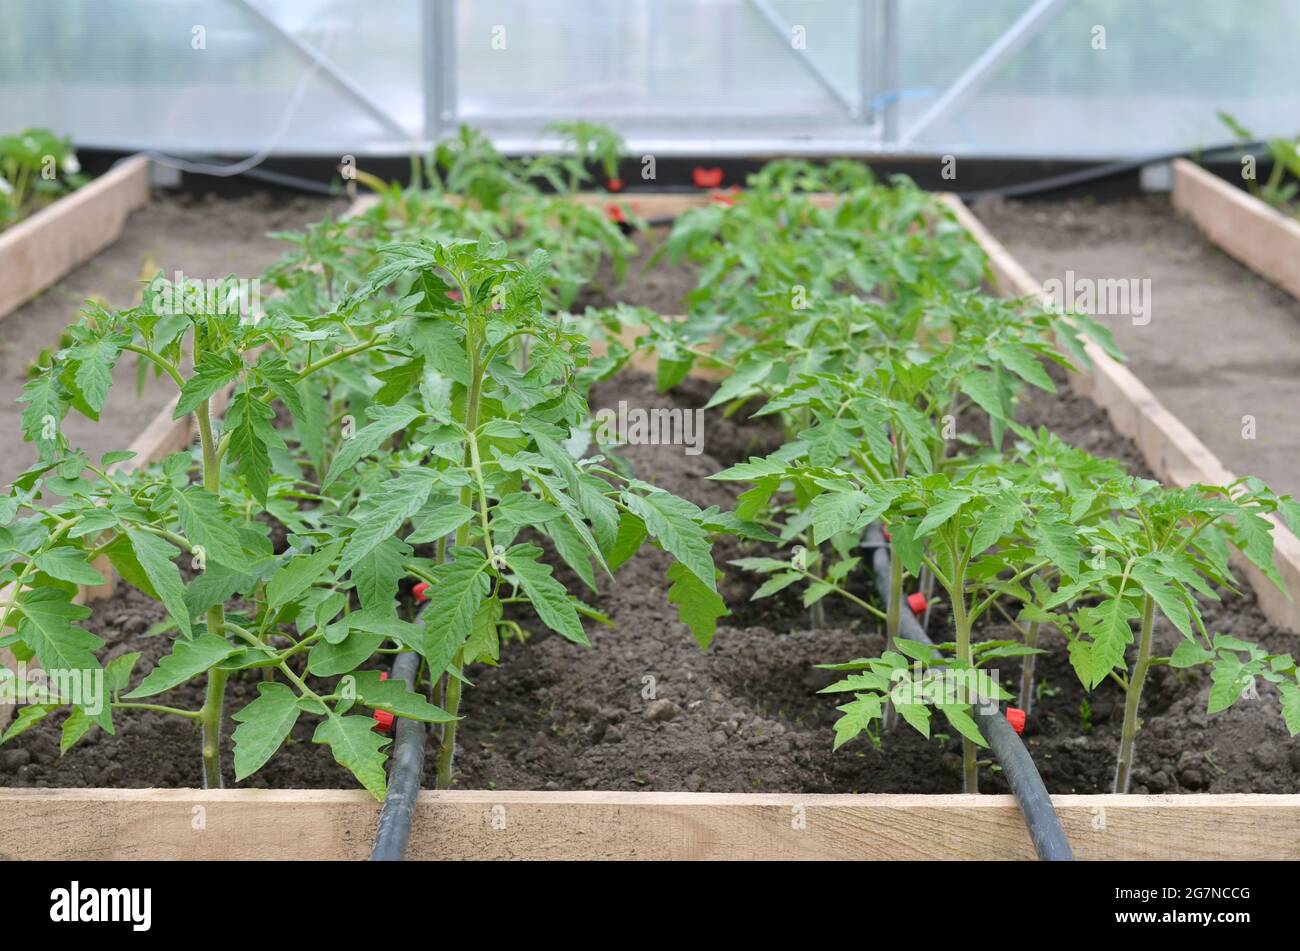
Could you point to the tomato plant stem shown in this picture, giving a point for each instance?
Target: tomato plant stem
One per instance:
(893, 618)
(894, 610)
(214, 694)
(166, 365)
(970, 769)
(453, 685)
(1027, 670)
(452, 705)
(338, 355)
(1124, 765)
(157, 708)
(965, 660)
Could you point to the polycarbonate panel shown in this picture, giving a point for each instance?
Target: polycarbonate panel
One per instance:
(211, 77)
(1104, 78)
(673, 75)
(659, 60)
(329, 77)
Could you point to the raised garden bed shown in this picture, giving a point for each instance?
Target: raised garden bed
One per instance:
(748, 705)
(39, 250)
(1259, 236)
(743, 716)
(321, 825)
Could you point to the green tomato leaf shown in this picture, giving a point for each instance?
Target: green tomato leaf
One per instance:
(77, 724)
(672, 522)
(356, 747)
(392, 696)
(188, 659)
(459, 588)
(214, 371)
(391, 505)
(47, 628)
(328, 660)
(28, 717)
(248, 422)
(95, 360)
(68, 564)
(1190, 654)
(699, 607)
(627, 542)
(386, 421)
(298, 573)
(547, 596)
(155, 557)
(1289, 694)
(207, 522)
(858, 716)
(264, 724)
(377, 575)
(959, 716)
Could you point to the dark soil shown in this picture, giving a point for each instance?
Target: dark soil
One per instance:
(645, 708)
(661, 288)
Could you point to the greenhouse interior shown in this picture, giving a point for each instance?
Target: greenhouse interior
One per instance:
(651, 430)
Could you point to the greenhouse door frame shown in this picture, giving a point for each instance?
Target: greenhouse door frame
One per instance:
(871, 110)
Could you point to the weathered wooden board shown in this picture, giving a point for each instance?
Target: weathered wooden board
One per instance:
(652, 205)
(1262, 238)
(321, 824)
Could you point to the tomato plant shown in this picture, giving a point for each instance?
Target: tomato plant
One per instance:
(1157, 549)
(1286, 161)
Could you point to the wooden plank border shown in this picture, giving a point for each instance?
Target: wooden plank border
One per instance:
(1259, 236)
(1172, 450)
(652, 205)
(41, 249)
(255, 824)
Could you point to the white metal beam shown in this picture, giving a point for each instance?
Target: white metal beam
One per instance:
(773, 19)
(332, 71)
(980, 71)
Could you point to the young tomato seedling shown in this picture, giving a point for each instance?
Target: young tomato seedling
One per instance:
(494, 462)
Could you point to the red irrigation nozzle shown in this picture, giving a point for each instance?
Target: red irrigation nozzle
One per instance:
(706, 177)
(383, 719)
(1016, 717)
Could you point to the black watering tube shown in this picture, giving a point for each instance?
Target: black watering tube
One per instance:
(1044, 824)
(404, 776)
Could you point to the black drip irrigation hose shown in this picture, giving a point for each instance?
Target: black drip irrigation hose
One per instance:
(1044, 824)
(1026, 785)
(404, 776)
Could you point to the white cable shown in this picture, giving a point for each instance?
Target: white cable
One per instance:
(262, 154)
